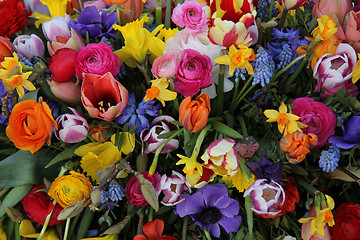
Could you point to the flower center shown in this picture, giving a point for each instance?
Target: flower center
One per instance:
(209, 215)
(17, 81)
(268, 194)
(152, 92)
(237, 58)
(282, 119)
(328, 217)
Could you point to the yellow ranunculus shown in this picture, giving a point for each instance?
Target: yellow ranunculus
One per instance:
(70, 188)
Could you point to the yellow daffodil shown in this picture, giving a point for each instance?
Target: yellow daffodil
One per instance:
(27, 230)
(159, 91)
(190, 164)
(2, 234)
(165, 34)
(97, 156)
(56, 8)
(356, 71)
(325, 29)
(239, 181)
(238, 58)
(287, 122)
(106, 237)
(138, 43)
(13, 77)
(323, 217)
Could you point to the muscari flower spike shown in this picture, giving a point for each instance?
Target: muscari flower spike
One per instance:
(264, 67)
(329, 159)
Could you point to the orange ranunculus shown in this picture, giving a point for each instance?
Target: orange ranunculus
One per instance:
(30, 125)
(109, 2)
(6, 48)
(194, 114)
(297, 145)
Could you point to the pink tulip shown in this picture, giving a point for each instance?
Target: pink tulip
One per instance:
(36, 6)
(72, 128)
(292, 4)
(351, 28)
(75, 42)
(69, 91)
(29, 46)
(56, 26)
(103, 97)
(99, 4)
(172, 187)
(328, 7)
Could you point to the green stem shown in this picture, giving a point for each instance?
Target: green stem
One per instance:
(220, 92)
(238, 96)
(17, 231)
(168, 14)
(184, 228)
(4, 191)
(118, 15)
(278, 74)
(283, 18)
(296, 73)
(307, 186)
(242, 97)
(46, 223)
(236, 88)
(199, 141)
(151, 213)
(156, 157)
(158, 13)
(67, 228)
(242, 125)
(271, 8)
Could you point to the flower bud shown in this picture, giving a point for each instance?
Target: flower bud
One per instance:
(72, 128)
(29, 46)
(69, 92)
(56, 26)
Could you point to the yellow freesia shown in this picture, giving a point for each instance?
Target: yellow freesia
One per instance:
(356, 71)
(325, 29)
(190, 164)
(56, 8)
(138, 43)
(323, 217)
(287, 123)
(238, 58)
(159, 91)
(27, 230)
(97, 156)
(13, 76)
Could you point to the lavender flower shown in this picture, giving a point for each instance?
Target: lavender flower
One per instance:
(141, 116)
(266, 169)
(210, 207)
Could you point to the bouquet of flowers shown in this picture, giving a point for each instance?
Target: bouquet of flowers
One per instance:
(186, 119)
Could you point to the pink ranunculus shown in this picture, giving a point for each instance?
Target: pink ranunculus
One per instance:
(72, 128)
(318, 117)
(292, 4)
(74, 42)
(328, 7)
(332, 71)
(266, 197)
(69, 92)
(133, 189)
(103, 97)
(173, 187)
(221, 157)
(351, 28)
(191, 16)
(193, 72)
(164, 66)
(29, 46)
(160, 125)
(97, 58)
(56, 26)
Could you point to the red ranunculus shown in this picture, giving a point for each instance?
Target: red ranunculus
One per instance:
(347, 222)
(13, 18)
(62, 65)
(37, 205)
(133, 190)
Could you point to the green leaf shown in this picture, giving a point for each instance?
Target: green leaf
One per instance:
(31, 95)
(14, 196)
(64, 155)
(226, 130)
(249, 215)
(244, 170)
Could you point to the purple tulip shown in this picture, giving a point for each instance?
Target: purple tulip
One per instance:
(351, 132)
(29, 46)
(72, 128)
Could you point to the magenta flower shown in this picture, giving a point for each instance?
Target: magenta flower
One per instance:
(160, 125)
(164, 66)
(172, 187)
(191, 16)
(265, 197)
(72, 128)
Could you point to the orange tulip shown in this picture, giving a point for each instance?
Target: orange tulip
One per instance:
(6, 48)
(30, 125)
(194, 114)
(133, 10)
(297, 145)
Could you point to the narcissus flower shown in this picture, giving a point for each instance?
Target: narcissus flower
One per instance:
(70, 188)
(13, 76)
(325, 29)
(159, 91)
(238, 58)
(287, 122)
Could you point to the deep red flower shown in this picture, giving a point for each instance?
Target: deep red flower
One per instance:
(37, 205)
(62, 65)
(347, 221)
(13, 17)
(153, 231)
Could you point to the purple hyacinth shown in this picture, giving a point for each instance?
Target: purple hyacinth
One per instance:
(210, 207)
(96, 24)
(141, 115)
(351, 132)
(266, 168)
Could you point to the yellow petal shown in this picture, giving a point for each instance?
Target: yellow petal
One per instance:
(27, 229)
(282, 108)
(272, 115)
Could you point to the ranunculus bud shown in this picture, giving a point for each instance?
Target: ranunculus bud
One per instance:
(193, 115)
(164, 66)
(62, 65)
(56, 26)
(72, 128)
(29, 46)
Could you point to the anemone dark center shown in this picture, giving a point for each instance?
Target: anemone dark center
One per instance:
(209, 215)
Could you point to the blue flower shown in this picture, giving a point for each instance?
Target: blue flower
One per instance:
(141, 116)
(264, 67)
(329, 159)
(351, 132)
